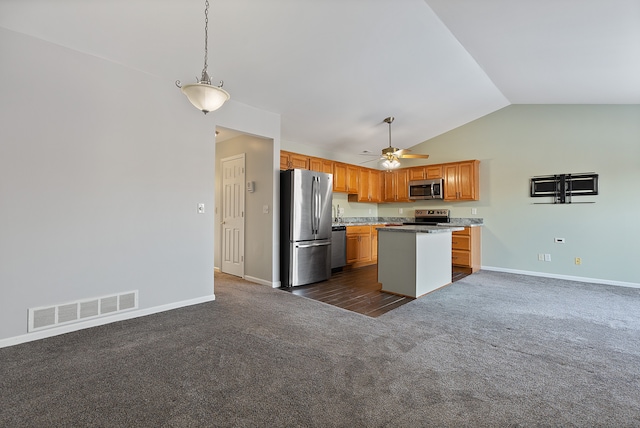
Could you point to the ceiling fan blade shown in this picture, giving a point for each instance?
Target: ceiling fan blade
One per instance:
(414, 156)
(370, 160)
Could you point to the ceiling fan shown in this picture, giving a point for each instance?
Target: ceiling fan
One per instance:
(391, 155)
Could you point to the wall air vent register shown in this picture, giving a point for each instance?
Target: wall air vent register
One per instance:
(81, 310)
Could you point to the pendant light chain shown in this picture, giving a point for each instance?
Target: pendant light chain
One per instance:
(206, 35)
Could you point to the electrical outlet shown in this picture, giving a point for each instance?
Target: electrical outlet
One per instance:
(401, 211)
(578, 261)
(540, 257)
(265, 209)
(547, 257)
(474, 211)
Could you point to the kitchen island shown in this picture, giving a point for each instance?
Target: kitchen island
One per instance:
(414, 260)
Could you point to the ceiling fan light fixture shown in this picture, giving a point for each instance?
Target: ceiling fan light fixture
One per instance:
(389, 160)
(204, 96)
(390, 163)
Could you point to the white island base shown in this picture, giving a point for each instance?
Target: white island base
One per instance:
(414, 261)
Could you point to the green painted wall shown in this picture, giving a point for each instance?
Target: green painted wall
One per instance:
(521, 141)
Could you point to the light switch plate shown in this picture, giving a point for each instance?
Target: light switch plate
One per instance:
(200, 208)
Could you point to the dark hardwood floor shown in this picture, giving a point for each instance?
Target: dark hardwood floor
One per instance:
(356, 290)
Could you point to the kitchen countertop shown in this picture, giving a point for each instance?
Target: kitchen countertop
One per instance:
(365, 221)
(421, 229)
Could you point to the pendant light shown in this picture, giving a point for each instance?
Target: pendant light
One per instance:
(203, 95)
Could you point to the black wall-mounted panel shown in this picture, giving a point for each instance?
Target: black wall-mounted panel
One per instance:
(561, 187)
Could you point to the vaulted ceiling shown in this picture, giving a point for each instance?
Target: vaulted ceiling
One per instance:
(334, 69)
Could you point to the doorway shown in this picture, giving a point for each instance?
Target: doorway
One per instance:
(233, 179)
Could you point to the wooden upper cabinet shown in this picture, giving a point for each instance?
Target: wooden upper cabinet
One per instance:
(315, 164)
(425, 172)
(433, 171)
(363, 184)
(461, 181)
(339, 177)
(327, 166)
(375, 185)
(402, 185)
(321, 165)
(388, 186)
(299, 161)
(371, 185)
(396, 185)
(352, 179)
(289, 160)
(284, 160)
(362, 193)
(417, 173)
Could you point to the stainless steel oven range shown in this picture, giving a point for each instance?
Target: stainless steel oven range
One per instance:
(430, 217)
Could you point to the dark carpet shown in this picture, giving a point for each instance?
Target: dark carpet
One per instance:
(492, 349)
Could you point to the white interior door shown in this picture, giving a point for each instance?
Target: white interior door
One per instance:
(233, 179)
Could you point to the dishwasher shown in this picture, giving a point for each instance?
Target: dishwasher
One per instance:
(338, 248)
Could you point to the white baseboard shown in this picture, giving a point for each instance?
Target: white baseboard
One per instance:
(250, 278)
(567, 277)
(262, 281)
(68, 328)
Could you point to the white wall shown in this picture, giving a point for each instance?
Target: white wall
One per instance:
(101, 171)
(522, 141)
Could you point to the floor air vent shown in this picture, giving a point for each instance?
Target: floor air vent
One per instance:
(81, 310)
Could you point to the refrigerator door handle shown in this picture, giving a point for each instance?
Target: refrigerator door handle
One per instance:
(315, 244)
(313, 205)
(318, 205)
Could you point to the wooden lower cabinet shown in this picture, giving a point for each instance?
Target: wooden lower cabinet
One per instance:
(374, 241)
(360, 243)
(466, 249)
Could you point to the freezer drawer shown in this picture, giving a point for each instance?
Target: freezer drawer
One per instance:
(311, 262)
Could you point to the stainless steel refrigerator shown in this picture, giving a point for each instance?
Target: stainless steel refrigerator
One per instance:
(305, 227)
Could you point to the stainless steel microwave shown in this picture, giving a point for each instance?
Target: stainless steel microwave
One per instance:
(426, 189)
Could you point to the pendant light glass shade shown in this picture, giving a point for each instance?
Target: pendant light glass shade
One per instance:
(205, 97)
